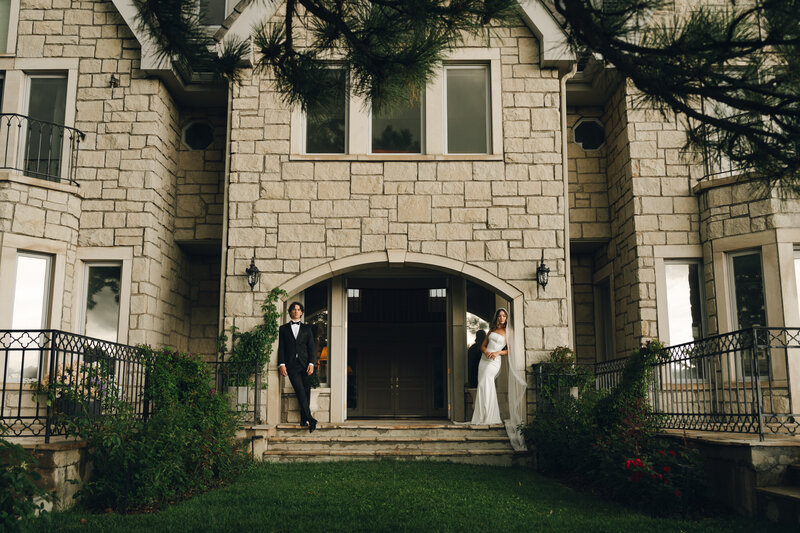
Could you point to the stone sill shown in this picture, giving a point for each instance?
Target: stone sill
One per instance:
(713, 183)
(15, 177)
(380, 158)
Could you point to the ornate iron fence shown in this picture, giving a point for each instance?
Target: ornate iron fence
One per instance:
(38, 148)
(48, 375)
(243, 386)
(735, 382)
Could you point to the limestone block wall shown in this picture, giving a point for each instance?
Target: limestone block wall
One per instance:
(496, 213)
(588, 183)
(128, 163)
(746, 217)
(35, 208)
(200, 181)
(652, 204)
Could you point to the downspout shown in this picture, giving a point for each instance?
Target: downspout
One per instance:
(564, 76)
(226, 179)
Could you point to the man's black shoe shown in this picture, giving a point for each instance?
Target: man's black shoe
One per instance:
(304, 423)
(312, 425)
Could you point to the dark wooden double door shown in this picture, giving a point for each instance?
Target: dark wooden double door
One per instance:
(396, 360)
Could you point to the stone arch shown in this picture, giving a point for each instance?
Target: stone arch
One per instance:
(399, 258)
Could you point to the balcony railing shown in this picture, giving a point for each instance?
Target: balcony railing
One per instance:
(738, 382)
(38, 148)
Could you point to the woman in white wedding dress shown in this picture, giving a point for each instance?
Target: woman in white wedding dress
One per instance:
(487, 410)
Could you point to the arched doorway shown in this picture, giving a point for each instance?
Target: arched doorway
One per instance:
(373, 362)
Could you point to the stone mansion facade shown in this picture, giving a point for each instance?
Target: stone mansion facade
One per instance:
(133, 199)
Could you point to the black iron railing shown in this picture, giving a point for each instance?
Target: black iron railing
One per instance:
(243, 386)
(48, 375)
(735, 382)
(38, 148)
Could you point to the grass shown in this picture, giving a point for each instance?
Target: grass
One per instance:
(392, 496)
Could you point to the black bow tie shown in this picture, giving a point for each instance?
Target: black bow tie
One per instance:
(294, 323)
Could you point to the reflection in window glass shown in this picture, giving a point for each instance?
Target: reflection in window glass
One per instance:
(797, 277)
(398, 130)
(467, 110)
(684, 302)
(5, 15)
(748, 297)
(317, 316)
(102, 301)
(47, 101)
(326, 121)
(29, 311)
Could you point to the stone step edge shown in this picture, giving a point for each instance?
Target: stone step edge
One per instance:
(386, 439)
(328, 426)
(781, 491)
(389, 453)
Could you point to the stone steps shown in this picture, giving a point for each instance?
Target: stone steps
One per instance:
(376, 441)
(781, 503)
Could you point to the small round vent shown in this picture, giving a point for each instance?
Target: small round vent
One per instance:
(198, 135)
(590, 134)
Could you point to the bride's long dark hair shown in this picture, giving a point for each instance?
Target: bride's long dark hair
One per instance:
(493, 325)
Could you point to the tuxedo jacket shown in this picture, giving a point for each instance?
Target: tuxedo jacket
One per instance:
(298, 353)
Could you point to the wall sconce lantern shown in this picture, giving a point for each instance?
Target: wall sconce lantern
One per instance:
(542, 273)
(253, 274)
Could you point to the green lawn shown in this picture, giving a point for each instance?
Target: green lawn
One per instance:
(393, 496)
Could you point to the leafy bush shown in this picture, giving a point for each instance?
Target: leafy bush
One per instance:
(20, 497)
(610, 441)
(250, 350)
(186, 445)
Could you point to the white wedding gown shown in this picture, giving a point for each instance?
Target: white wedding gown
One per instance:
(487, 410)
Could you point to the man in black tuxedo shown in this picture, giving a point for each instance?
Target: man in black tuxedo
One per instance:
(297, 353)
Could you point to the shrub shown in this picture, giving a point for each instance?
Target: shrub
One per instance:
(186, 445)
(20, 497)
(610, 441)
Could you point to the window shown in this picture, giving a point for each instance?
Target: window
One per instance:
(212, 12)
(44, 134)
(32, 291)
(797, 275)
(468, 109)
(747, 295)
(604, 320)
(317, 303)
(436, 300)
(326, 122)
(685, 316)
(684, 301)
(398, 130)
(5, 22)
(102, 284)
(590, 134)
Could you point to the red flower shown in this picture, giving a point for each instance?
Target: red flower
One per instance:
(666, 469)
(671, 453)
(678, 493)
(660, 452)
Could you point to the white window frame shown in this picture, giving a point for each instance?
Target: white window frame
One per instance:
(732, 286)
(358, 143)
(99, 257)
(48, 285)
(65, 144)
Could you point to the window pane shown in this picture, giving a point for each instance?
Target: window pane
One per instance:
(326, 121)
(46, 109)
(5, 12)
(31, 302)
(398, 130)
(748, 286)
(797, 278)
(102, 301)
(212, 12)
(684, 302)
(316, 304)
(467, 110)
(31, 292)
